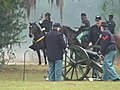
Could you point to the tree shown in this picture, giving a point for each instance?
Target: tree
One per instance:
(28, 4)
(59, 4)
(11, 24)
(31, 4)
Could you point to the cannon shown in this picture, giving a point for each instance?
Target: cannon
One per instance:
(78, 67)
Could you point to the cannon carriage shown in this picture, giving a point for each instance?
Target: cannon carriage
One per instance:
(78, 67)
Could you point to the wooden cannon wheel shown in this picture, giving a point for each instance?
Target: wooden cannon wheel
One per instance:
(79, 65)
(76, 67)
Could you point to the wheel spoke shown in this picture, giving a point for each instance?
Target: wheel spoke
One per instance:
(76, 73)
(67, 66)
(68, 70)
(71, 60)
(80, 70)
(78, 53)
(72, 73)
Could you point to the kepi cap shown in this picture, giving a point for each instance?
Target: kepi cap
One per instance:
(97, 18)
(47, 14)
(83, 14)
(56, 25)
(110, 16)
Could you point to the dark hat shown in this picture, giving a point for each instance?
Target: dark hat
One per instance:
(104, 24)
(110, 16)
(47, 14)
(56, 25)
(97, 18)
(83, 14)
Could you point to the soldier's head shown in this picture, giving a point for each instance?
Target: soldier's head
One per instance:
(111, 17)
(56, 26)
(98, 20)
(104, 26)
(47, 16)
(83, 16)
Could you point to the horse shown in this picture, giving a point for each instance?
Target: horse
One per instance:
(72, 34)
(71, 38)
(38, 40)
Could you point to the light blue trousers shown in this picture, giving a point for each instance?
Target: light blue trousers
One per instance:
(55, 70)
(108, 68)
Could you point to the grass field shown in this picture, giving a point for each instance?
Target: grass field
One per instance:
(11, 78)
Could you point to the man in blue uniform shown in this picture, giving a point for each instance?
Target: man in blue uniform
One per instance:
(83, 29)
(55, 45)
(108, 50)
(111, 24)
(95, 31)
(94, 36)
(47, 23)
(85, 22)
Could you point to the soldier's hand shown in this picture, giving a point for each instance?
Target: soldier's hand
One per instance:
(83, 24)
(40, 21)
(30, 35)
(102, 57)
(65, 51)
(43, 29)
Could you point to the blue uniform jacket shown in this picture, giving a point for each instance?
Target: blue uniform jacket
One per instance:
(94, 33)
(111, 26)
(47, 25)
(55, 44)
(107, 42)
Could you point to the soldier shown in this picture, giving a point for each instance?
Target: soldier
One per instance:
(55, 45)
(94, 37)
(111, 24)
(47, 23)
(85, 22)
(108, 50)
(83, 29)
(95, 31)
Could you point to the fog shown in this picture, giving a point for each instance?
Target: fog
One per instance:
(71, 17)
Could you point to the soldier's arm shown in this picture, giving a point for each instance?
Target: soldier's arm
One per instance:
(90, 35)
(62, 42)
(87, 23)
(41, 24)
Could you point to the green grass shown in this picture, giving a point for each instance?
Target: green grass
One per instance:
(11, 79)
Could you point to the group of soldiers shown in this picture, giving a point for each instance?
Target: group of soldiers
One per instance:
(102, 34)
(94, 30)
(98, 34)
